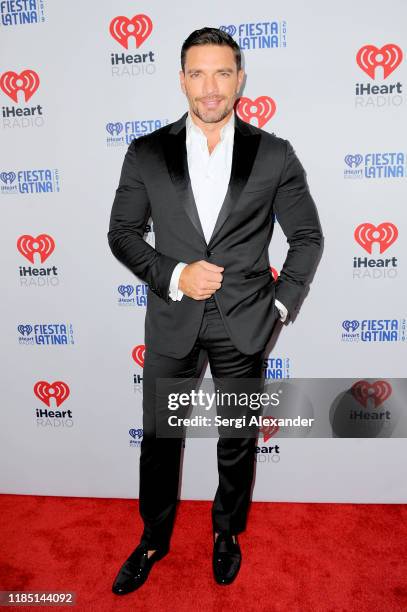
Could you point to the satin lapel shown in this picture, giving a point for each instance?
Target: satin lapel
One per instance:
(175, 152)
(245, 146)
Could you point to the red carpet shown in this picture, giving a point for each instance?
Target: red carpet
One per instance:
(297, 557)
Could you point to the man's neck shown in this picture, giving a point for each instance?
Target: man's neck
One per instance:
(211, 130)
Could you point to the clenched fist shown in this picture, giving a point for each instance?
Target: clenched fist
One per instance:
(200, 279)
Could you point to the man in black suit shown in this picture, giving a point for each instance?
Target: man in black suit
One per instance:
(212, 185)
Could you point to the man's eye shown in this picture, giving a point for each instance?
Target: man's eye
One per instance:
(194, 74)
(225, 74)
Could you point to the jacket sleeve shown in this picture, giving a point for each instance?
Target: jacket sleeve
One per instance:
(130, 212)
(297, 215)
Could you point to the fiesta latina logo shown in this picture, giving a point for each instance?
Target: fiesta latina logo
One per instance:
(53, 395)
(45, 334)
(391, 164)
(261, 109)
(132, 295)
(258, 35)
(374, 330)
(136, 436)
(37, 251)
(123, 132)
(40, 180)
(378, 64)
(136, 29)
(23, 85)
(373, 239)
(21, 12)
(277, 367)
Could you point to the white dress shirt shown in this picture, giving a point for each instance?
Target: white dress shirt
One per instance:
(210, 175)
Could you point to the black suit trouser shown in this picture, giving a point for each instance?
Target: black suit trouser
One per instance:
(160, 457)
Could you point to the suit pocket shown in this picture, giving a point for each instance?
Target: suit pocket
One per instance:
(257, 274)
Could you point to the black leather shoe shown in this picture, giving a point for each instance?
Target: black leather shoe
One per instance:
(226, 558)
(134, 571)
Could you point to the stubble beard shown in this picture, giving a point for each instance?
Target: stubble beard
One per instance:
(210, 117)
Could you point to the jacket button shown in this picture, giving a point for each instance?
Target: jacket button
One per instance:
(209, 253)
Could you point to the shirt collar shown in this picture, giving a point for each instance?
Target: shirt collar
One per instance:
(194, 131)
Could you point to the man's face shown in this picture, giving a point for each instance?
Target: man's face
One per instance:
(211, 81)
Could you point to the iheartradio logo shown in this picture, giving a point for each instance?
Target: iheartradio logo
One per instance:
(268, 431)
(138, 354)
(27, 81)
(367, 234)
(136, 434)
(125, 290)
(8, 178)
(350, 326)
(45, 391)
(114, 129)
(375, 393)
(262, 108)
(353, 161)
(139, 27)
(28, 246)
(370, 57)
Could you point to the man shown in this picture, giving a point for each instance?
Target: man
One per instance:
(212, 184)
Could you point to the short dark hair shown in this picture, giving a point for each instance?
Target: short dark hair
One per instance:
(210, 36)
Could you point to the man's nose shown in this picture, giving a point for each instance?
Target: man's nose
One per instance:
(210, 86)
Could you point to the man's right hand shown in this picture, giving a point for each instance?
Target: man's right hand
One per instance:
(200, 279)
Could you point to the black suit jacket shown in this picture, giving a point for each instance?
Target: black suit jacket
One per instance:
(267, 180)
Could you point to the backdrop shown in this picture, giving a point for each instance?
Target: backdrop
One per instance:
(79, 81)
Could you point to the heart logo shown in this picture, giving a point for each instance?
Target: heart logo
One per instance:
(42, 244)
(370, 57)
(229, 29)
(25, 330)
(136, 433)
(268, 431)
(138, 354)
(139, 26)
(125, 290)
(262, 109)
(379, 391)
(350, 325)
(367, 234)
(44, 391)
(114, 129)
(353, 161)
(8, 177)
(27, 81)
